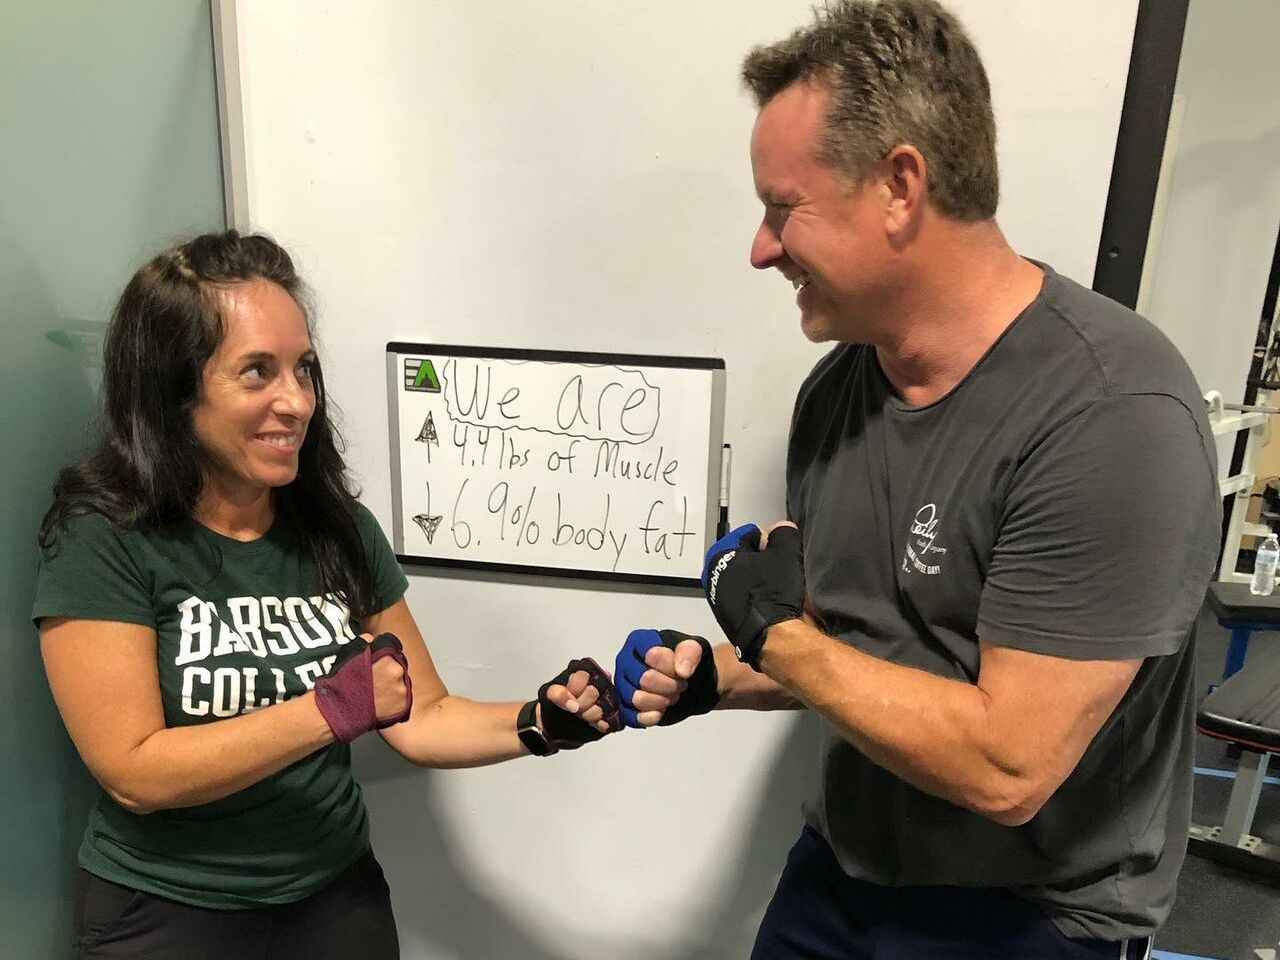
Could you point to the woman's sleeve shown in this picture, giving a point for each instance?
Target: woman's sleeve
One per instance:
(389, 579)
(89, 573)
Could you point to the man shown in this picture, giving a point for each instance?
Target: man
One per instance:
(1005, 510)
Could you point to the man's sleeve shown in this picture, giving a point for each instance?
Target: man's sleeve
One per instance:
(1108, 535)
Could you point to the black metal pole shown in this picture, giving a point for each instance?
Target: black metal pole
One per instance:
(1144, 122)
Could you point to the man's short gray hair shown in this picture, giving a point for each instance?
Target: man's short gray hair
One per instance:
(898, 71)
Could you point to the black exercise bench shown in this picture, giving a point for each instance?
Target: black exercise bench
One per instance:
(1244, 711)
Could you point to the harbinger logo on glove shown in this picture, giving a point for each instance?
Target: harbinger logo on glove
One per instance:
(715, 575)
(750, 589)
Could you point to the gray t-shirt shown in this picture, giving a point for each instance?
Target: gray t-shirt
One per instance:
(1061, 499)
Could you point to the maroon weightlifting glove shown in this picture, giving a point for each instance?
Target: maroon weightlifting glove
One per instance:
(344, 695)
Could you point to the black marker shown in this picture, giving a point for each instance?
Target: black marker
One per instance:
(726, 463)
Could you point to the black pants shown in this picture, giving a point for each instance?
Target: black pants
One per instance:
(819, 912)
(348, 918)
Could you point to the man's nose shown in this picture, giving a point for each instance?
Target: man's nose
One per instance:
(766, 247)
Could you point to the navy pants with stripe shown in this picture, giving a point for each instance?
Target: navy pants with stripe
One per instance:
(819, 912)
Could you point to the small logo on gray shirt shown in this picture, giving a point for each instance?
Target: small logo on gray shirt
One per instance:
(922, 554)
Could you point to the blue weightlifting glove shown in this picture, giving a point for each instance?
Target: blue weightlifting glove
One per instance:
(750, 589)
(699, 696)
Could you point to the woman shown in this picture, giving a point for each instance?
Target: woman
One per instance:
(203, 570)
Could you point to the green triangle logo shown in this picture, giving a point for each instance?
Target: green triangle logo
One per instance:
(421, 375)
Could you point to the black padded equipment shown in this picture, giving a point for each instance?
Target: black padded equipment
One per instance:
(1233, 601)
(1244, 711)
(1246, 708)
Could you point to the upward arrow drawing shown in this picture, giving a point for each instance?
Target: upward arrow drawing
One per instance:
(428, 432)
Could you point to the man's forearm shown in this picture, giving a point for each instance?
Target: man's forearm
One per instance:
(742, 688)
(933, 732)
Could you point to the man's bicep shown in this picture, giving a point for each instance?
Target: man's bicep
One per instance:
(1108, 536)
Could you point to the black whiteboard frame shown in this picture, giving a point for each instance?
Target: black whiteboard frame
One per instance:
(399, 348)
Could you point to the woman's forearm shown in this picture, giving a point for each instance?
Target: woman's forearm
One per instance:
(188, 766)
(457, 732)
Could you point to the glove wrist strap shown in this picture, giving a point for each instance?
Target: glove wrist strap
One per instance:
(749, 643)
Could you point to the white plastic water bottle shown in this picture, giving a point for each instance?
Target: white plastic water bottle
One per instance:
(1264, 567)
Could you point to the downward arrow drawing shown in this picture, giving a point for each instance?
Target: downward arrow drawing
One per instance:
(430, 525)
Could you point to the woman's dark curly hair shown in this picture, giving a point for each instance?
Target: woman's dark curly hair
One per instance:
(147, 465)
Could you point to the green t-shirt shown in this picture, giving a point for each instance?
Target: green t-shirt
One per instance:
(239, 626)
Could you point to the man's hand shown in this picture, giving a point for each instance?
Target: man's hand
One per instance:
(752, 583)
(664, 676)
(579, 705)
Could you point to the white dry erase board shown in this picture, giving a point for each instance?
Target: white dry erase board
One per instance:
(587, 465)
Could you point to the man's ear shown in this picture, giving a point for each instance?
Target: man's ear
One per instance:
(904, 172)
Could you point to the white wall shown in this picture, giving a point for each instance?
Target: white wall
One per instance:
(573, 175)
(1209, 274)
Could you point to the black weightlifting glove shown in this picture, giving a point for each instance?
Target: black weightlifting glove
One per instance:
(750, 589)
(568, 731)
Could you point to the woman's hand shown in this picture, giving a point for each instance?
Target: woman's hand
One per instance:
(579, 705)
(366, 688)
(392, 688)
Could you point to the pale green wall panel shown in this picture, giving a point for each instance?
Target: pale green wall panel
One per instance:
(108, 151)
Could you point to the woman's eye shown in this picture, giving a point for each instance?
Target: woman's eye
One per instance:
(307, 369)
(255, 371)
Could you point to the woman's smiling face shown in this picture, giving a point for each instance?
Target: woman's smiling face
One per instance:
(256, 393)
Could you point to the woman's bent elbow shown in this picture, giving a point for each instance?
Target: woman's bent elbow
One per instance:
(132, 804)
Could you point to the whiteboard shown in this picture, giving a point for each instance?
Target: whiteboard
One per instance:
(603, 466)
